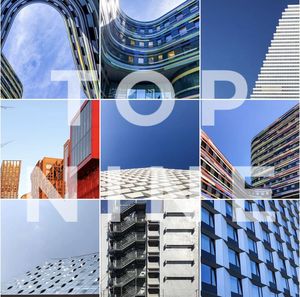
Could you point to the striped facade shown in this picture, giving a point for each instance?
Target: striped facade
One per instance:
(82, 24)
(168, 45)
(278, 146)
(218, 175)
(10, 86)
(279, 76)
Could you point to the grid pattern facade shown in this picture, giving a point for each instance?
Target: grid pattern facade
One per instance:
(10, 178)
(169, 45)
(75, 275)
(279, 76)
(149, 183)
(250, 255)
(278, 146)
(82, 24)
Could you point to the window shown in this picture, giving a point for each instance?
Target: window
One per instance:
(171, 54)
(250, 226)
(281, 264)
(269, 256)
(207, 244)
(142, 31)
(207, 217)
(182, 30)
(271, 276)
(208, 275)
(256, 291)
(150, 31)
(228, 209)
(150, 44)
(159, 42)
(132, 42)
(167, 24)
(266, 236)
(252, 245)
(141, 60)
(279, 246)
(142, 43)
(158, 28)
(233, 257)
(168, 38)
(285, 284)
(179, 17)
(248, 205)
(235, 285)
(232, 233)
(254, 268)
(151, 60)
(160, 57)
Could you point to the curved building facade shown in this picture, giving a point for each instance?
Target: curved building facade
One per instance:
(218, 176)
(168, 45)
(278, 146)
(82, 23)
(10, 86)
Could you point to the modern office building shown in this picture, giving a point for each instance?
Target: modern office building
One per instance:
(149, 183)
(10, 87)
(279, 75)
(10, 178)
(82, 152)
(218, 176)
(245, 252)
(78, 276)
(82, 24)
(52, 170)
(168, 45)
(278, 146)
(150, 249)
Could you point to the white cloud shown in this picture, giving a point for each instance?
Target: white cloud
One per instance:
(37, 44)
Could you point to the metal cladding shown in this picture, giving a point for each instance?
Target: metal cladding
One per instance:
(10, 86)
(149, 183)
(82, 23)
(75, 275)
(278, 146)
(280, 73)
(10, 178)
(169, 45)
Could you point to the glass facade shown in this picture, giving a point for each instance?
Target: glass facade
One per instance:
(81, 136)
(76, 275)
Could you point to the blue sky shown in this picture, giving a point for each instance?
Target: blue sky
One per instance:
(173, 143)
(148, 10)
(37, 128)
(235, 129)
(25, 245)
(236, 35)
(38, 43)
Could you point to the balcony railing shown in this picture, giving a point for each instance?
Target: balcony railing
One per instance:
(124, 243)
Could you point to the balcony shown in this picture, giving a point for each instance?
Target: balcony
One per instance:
(128, 259)
(127, 278)
(126, 242)
(125, 225)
